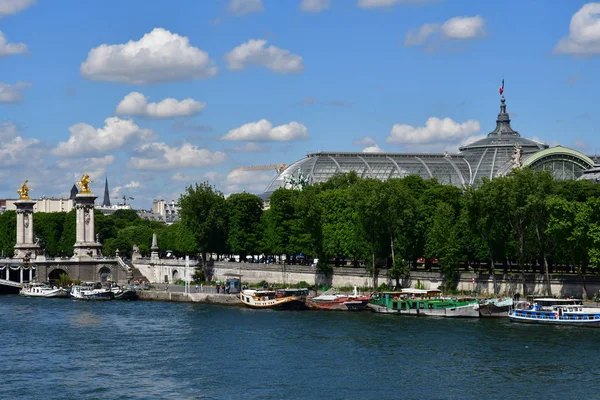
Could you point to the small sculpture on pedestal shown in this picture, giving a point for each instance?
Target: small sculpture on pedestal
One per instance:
(84, 184)
(24, 192)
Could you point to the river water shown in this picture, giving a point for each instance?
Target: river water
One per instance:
(66, 349)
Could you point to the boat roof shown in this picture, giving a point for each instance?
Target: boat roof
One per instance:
(258, 291)
(419, 291)
(555, 300)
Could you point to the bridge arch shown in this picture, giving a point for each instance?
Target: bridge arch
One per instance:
(104, 274)
(55, 274)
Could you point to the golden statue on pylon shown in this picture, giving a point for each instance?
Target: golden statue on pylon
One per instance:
(84, 184)
(24, 191)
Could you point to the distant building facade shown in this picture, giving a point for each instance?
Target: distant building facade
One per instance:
(169, 211)
(44, 205)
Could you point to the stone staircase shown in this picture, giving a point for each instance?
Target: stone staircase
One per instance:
(136, 275)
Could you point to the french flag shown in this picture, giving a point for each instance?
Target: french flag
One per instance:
(502, 87)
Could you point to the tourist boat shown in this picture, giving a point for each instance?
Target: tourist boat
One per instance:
(91, 292)
(43, 290)
(496, 307)
(282, 299)
(423, 303)
(338, 301)
(124, 293)
(555, 312)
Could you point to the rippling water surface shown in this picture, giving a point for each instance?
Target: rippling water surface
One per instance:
(65, 349)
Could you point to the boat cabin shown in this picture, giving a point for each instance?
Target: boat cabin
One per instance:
(291, 292)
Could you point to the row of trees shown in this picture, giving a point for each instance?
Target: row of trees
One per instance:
(526, 221)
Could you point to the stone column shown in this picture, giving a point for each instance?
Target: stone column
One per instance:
(85, 243)
(25, 243)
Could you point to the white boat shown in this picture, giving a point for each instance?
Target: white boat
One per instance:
(43, 290)
(91, 292)
(555, 312)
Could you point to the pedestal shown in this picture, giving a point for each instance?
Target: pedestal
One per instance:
(86, 245)
(25, 244)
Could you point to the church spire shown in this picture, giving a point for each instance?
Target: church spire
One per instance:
(106, 202)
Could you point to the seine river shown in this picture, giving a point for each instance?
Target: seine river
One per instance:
(65, 349)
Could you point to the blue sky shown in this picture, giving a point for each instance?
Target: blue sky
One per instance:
(83, 84)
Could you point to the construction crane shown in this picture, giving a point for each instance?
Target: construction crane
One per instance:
(125, 198)
(276, 167)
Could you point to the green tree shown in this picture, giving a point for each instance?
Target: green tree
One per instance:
(48, 228)
(203, 212)
(485, 215)
(339, 225)
(541, 185)
(68, 236)
(282, 224)
(569, 225)
(443, 241)
(244, 214)
(8, 233)
(371, 218)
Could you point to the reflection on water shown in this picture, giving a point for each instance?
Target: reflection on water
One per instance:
(83, 319)
(143, 350)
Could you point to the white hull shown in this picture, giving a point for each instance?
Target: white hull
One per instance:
(43, 292)
(456, 312)
(381, 309)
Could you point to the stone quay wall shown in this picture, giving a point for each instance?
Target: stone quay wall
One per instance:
(509, 284)
(223, 299)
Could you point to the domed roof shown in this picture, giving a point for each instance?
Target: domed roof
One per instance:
(504, 136)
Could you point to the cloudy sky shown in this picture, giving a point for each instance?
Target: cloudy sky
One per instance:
(158, 95)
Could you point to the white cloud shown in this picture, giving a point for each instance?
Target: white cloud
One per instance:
(95, 167)
(388, 3)
(211, 176)
(435, 130)
(315, 6)
(464, 28)
(364, 141)
(7, 49)
(12, 93)
(14, 150)
(584, 33)
(131, 185)
(137, 104)
(90, 162)
(373, 149)
(263, 130)
(249, 147)
(457, 28)
(160, 156)
(244, 7)
(9, 7)
(85, 139)
(253, 181)
(159, 56)
(254, 52)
